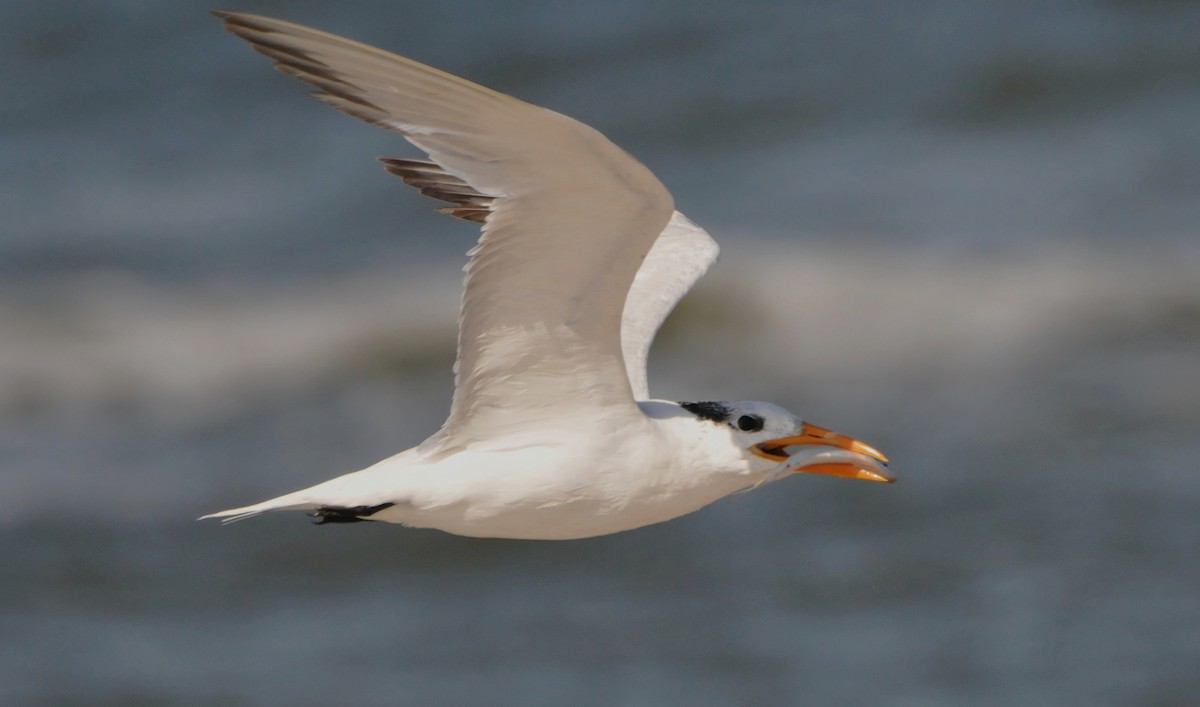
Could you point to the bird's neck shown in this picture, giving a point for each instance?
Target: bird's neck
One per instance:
(702, 451)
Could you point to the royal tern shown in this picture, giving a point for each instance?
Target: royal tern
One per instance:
(552, 433)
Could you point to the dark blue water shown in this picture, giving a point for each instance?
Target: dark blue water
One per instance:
(965, 232)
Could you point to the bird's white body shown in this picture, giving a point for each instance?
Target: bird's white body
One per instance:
(551, 434)
(581, 485)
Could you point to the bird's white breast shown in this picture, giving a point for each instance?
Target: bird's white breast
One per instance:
(590, 482)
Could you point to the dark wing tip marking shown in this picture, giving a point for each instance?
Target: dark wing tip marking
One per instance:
(347, 514)
(432, 180)
(241, 23)
(333, 88)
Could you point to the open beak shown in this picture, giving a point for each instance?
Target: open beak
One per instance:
(872, 467)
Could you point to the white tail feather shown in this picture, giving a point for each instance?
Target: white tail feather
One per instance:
(233, 515)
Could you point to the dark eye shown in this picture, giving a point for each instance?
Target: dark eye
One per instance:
(750, 423)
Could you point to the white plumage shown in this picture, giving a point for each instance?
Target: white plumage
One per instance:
(551, 433)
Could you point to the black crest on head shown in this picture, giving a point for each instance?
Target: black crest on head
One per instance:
(711, 411)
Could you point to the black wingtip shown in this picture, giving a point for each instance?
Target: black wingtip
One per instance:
(241, 22)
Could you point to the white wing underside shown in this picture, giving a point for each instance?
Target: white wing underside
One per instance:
(571, 226)
(680, 257)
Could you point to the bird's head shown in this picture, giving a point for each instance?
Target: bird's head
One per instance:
(780, 442)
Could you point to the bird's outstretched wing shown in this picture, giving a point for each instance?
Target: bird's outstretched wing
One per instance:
(571, 219)
(680, 256)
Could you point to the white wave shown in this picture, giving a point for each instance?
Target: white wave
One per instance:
(846, 311)
(766, 312)
(196, 350)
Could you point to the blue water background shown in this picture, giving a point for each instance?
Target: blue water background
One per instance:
(966, 232)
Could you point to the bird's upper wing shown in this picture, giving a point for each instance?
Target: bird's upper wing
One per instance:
(570, 220)
(680, 256)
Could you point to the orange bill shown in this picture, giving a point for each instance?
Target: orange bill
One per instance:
(872, 466)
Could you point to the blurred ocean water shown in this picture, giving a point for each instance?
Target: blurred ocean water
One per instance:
(964, 232)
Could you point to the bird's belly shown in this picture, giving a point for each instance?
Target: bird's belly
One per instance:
(547, 517)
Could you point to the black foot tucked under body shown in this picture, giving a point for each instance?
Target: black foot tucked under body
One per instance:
(347, 514)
